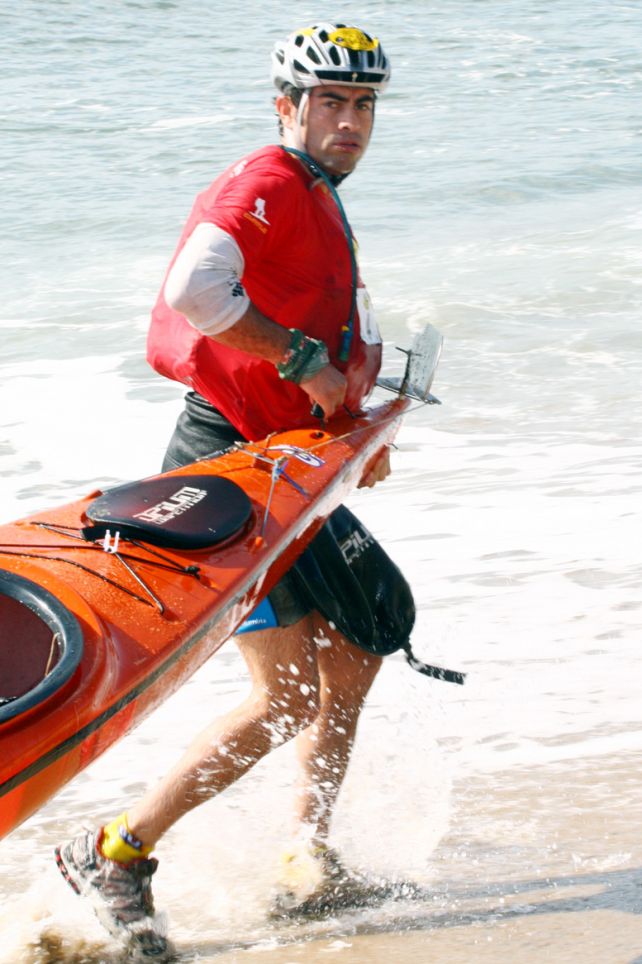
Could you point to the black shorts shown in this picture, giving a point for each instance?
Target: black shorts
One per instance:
(201, 431)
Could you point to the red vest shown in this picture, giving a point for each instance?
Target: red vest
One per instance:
(297, 272)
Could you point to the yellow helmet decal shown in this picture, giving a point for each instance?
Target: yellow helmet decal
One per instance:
(353, 39)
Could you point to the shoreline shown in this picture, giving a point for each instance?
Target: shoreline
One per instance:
(557, 877)
(539, 864)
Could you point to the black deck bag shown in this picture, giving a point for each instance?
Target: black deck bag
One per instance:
(350, 580)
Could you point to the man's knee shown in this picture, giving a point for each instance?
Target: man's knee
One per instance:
(283, 665)
(289, 708)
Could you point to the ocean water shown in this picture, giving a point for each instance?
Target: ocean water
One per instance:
(501, 201)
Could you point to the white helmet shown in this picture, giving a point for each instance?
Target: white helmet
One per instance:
(329, 53)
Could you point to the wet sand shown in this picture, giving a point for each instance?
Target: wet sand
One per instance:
(540, 864)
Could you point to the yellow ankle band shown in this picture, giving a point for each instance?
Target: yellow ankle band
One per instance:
(119, 843)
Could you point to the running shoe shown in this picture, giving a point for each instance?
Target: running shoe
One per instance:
(315, 882)
(121, 894)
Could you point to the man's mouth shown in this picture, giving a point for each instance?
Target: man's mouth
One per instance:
(349, 146)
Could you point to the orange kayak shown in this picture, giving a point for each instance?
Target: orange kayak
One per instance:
(109, 604)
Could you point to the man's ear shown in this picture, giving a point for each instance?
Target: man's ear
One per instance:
(286, 110)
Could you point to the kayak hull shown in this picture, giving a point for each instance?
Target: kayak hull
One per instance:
(129, 633)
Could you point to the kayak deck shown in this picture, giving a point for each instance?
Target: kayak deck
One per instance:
(137, 620)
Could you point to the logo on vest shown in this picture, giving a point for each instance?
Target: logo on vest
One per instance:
(259, 211)
(258, 215)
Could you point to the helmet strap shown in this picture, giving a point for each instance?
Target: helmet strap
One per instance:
(299, 142)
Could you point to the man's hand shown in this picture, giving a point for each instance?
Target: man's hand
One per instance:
(378, 470)
(327, 389)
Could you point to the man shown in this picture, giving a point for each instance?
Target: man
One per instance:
(263, 315)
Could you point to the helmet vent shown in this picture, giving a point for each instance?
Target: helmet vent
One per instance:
(313, 55)
(299, 39)
(323, 36)
(298, 66)
(335, 56)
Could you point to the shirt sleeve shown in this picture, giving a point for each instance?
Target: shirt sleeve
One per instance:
(204, 283)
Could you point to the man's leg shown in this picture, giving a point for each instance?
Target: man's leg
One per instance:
(284, 699)
(346, 674)
(112, 865)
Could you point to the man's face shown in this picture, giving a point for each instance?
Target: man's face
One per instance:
(336, 126)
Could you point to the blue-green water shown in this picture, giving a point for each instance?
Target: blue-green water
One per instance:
(500, 200)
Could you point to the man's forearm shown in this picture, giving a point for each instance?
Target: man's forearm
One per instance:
(264, 338)
(257, 335)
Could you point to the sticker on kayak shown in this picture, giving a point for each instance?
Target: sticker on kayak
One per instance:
(175, 505)
(301, 454)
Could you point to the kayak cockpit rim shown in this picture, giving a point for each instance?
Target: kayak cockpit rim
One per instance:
(41, 645)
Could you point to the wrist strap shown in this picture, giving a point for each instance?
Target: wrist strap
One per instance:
(303, 358)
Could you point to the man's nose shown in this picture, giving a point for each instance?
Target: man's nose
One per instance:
(350, 119)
